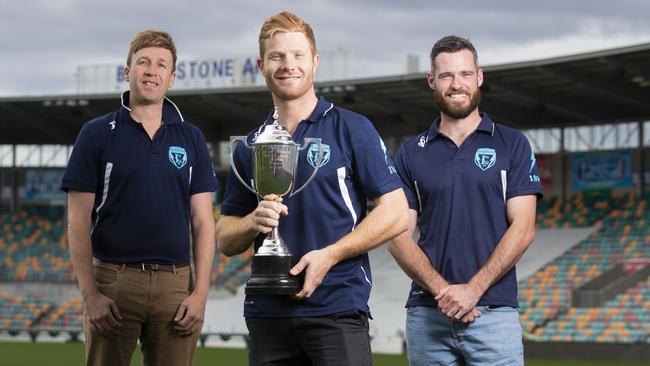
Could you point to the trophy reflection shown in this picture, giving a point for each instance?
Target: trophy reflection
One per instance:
(275, 158)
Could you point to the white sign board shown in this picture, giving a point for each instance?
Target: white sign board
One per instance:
(204, 73)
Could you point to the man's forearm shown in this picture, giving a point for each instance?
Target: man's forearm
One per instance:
(512, 246)
(204, 248)
(416, 264)
(235, 234)
(82, 258)
(388, 219)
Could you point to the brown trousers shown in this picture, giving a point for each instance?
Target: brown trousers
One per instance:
(147, 302)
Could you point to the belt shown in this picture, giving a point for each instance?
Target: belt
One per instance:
(153, 267)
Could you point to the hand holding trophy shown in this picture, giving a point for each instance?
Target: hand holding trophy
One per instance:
(275, 159)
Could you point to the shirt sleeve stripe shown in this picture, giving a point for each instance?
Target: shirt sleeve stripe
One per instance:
(346, 195)
(107, 180)
(504, 183)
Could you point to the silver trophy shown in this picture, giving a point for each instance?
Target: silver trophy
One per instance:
(275, 158)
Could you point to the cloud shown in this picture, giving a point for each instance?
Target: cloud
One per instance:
(43, 42)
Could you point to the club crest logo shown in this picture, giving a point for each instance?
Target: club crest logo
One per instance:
(177, 156)
(312, 155)
(485, 158)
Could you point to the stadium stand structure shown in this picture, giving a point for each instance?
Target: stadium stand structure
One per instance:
(33, 245)
(20, 312)
(562, 93)
(67, 316)
(230, 272)
(547, 313)
(33, 237)
(33, 248)
(577, 211)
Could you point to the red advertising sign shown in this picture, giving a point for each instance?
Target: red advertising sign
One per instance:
(545, 170)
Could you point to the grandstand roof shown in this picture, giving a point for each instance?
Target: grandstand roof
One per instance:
(597, 87)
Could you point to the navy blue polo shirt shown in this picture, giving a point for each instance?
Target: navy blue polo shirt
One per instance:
(355, 168)
(142, 186)
(460, 195)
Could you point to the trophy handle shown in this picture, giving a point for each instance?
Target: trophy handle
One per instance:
(234, 140)
(308, 141)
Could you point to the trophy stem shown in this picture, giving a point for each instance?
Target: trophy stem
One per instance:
(274, 235)
(273, 244)
(270, 269)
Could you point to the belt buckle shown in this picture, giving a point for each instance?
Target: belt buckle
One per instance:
(150, 267)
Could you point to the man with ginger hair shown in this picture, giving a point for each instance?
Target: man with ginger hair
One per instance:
(325, 226)
(137, 180)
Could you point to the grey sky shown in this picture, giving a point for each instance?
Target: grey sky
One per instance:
(43, 41)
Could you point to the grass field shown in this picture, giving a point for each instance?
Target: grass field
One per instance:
(70, 354)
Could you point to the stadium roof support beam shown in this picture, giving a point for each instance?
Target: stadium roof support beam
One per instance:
(553, 103)
(382, 104)
(610, 129)
(513, 115)
(631, 133)
(89, 112)
(232, 107)
(398, 102)
(642, 182)
(629, 67)
(32, 120)
(610, 87)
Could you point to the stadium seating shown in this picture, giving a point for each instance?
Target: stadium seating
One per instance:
(577, 211)
(23, 311)
(33, 248)
(68, 315)
(624, 319)
(545, 296)
(231, 270)
(33, 245)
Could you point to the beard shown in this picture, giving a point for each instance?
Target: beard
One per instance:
(457, 110)
(285, 93)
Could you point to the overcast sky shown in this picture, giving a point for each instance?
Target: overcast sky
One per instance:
(43, 41)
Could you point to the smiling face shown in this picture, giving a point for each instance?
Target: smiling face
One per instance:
(288, 65)
(150, 74)
(455, 82)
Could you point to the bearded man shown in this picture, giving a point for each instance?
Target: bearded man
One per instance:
(472, 187)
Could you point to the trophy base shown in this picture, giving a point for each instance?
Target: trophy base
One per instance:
(270, 276)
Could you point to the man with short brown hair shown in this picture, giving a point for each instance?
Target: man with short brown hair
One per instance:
(137, 179)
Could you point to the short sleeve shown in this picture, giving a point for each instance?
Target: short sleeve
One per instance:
(81, 173)
(408, 183)
(203, 176)
(523, 178)
(372, 163)
(237, 199)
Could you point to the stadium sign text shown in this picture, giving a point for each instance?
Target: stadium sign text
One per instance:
(602, 170)
(209, 69)
(202, 73)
